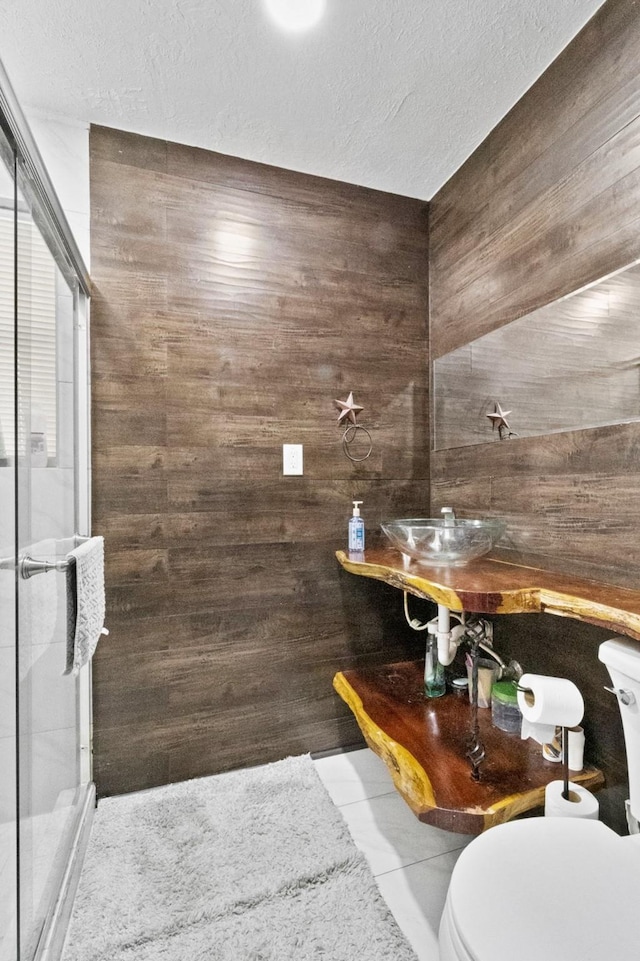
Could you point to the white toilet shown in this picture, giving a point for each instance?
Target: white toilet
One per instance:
(555, 888)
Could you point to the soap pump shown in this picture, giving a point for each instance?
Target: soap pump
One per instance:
(356, 529)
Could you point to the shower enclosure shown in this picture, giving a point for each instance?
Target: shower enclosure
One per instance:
(45, 777)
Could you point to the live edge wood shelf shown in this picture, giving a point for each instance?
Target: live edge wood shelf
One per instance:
(494, 586)
(423, 741)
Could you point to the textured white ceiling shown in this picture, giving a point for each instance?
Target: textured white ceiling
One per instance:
(391, 94)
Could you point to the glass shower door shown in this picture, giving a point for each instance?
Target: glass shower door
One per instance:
(8, 553)
(44, 727)
(50, 790)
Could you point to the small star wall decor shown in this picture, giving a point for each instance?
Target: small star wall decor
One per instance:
(348, 408)
(499, 418)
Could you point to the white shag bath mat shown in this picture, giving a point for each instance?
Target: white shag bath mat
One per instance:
(256, 864)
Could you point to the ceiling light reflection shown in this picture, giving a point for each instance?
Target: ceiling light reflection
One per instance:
(296, 15)
(233, 246)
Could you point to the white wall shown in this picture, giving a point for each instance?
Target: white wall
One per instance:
(64, 146)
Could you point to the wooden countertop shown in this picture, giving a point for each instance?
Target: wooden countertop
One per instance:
(494, 586)
(423, 742)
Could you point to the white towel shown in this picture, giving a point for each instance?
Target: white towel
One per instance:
(85, 602)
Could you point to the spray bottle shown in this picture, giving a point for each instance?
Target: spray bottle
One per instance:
(356, 529)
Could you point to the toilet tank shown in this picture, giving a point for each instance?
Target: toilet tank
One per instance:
(622, 658)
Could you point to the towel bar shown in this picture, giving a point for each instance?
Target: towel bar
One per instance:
(30, 566)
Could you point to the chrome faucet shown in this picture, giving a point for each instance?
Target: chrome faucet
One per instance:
(448, 516)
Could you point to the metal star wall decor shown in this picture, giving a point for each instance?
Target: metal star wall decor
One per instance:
(348, 408)
(499, 419)
(348, 418)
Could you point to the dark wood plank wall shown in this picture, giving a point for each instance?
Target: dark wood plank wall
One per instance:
(233, 303)
(549, 202)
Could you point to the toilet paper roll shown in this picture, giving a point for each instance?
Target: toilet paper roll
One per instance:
(542, 733)
(547, 702)
(553, 750)
(576, 749)
(581, 803)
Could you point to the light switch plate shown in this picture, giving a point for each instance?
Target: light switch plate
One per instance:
(292, 459)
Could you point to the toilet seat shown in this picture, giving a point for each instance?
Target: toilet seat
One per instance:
(544, 889)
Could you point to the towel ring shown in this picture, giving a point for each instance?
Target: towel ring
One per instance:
(348, 438)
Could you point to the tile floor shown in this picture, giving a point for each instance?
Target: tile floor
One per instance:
(411, 861)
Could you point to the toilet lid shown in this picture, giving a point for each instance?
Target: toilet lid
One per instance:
(557, 889)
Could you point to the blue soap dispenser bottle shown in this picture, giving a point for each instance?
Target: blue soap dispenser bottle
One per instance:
(356, 529)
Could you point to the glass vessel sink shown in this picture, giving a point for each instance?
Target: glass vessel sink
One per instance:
(446, 541)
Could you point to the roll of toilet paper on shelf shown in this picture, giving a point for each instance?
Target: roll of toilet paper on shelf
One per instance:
(554, 750)
(576, 748)
(581, 803)
(546, 702)
(542, 733)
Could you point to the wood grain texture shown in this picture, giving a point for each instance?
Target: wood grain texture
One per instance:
(492, 586)
(550, 202)
(234, 302)
(570, 499)
(423, 741)
(568, 366)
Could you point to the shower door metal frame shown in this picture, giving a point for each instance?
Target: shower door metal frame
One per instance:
(54, 226)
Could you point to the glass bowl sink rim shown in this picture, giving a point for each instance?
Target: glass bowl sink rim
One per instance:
(461, 548)
(439, 522)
